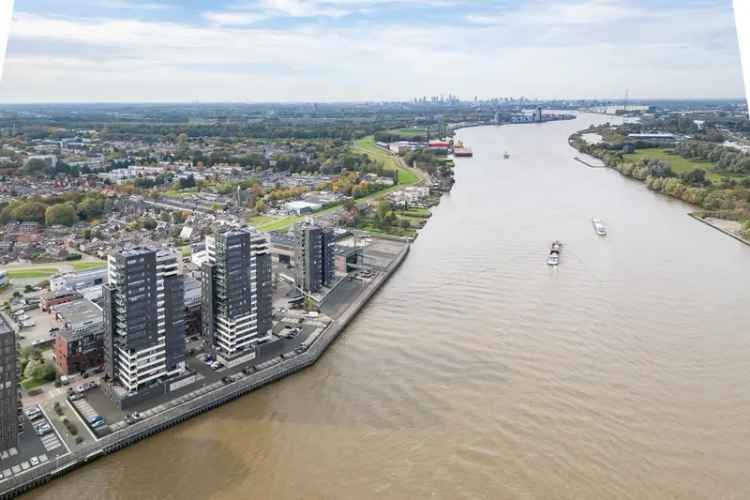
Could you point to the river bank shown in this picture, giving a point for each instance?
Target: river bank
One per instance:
(127, 436)
(722, 225)
(716, 201)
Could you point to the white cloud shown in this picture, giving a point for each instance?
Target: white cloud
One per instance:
(6, 13)
(230, 18)
(534, 54)
(566, 13)
(329, 8)
(124, 4)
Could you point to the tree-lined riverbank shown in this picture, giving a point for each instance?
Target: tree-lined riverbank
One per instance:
(666, 171)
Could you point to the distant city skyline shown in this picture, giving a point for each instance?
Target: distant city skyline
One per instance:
(368, 50)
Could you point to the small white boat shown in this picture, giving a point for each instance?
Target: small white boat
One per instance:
(599, 227)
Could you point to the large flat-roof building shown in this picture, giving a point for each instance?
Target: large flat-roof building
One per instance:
(10, 402)
(144, 330)
(88, 283)
(314, 257)
(79, 344)
(236, 294)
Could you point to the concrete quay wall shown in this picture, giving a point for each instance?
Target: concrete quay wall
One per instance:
(118, 440)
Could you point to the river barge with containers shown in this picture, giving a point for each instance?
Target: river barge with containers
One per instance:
(554, 254)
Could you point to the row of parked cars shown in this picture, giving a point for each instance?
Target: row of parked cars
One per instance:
(38, 421)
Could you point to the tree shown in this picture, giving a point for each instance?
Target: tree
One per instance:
(35, 167)
(182, 142)
(31, 211)
(91, 206)
(148, 223)
(186, 182)
(383, 208)
(310, 304)
(61, 214)
(180, 217)
(44, 371)
(696, 177)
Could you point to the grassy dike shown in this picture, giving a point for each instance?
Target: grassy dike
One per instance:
(366, 145)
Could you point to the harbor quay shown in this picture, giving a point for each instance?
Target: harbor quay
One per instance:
(347, 299)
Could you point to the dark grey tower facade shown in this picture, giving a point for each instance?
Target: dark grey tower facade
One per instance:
(236, 294)
(10, 403)
(314, 257)
(144, 323)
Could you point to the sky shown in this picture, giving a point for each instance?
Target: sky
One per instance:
(368, 50)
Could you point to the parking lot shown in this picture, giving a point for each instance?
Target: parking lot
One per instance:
(347, 290)
(39, 332)
(32, 450)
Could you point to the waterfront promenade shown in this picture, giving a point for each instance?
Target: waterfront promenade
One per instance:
(41, 474)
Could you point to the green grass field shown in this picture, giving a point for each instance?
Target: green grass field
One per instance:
(408, 133)
(84, 266)
(679, 164)
(416, 212)
(393, 231)
(280, 224)
(32, 383)
(259, 220)
(31, 273)
(367, 146)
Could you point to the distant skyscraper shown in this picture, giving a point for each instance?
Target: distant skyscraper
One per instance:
(9, 400)
(144, 324)
(237, 295)
(314, 259)
(538, 115)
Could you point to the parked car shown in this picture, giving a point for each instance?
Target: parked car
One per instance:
(133, 418)
(32, 412)
(86, 386)
(42, 429)
(96, 421)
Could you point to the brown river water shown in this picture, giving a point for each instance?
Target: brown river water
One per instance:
(478, 372)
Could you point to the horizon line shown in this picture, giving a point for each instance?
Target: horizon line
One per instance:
(385, 101)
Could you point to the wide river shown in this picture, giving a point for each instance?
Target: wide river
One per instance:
(478, 372)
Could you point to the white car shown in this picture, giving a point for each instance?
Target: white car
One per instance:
(32, 412)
